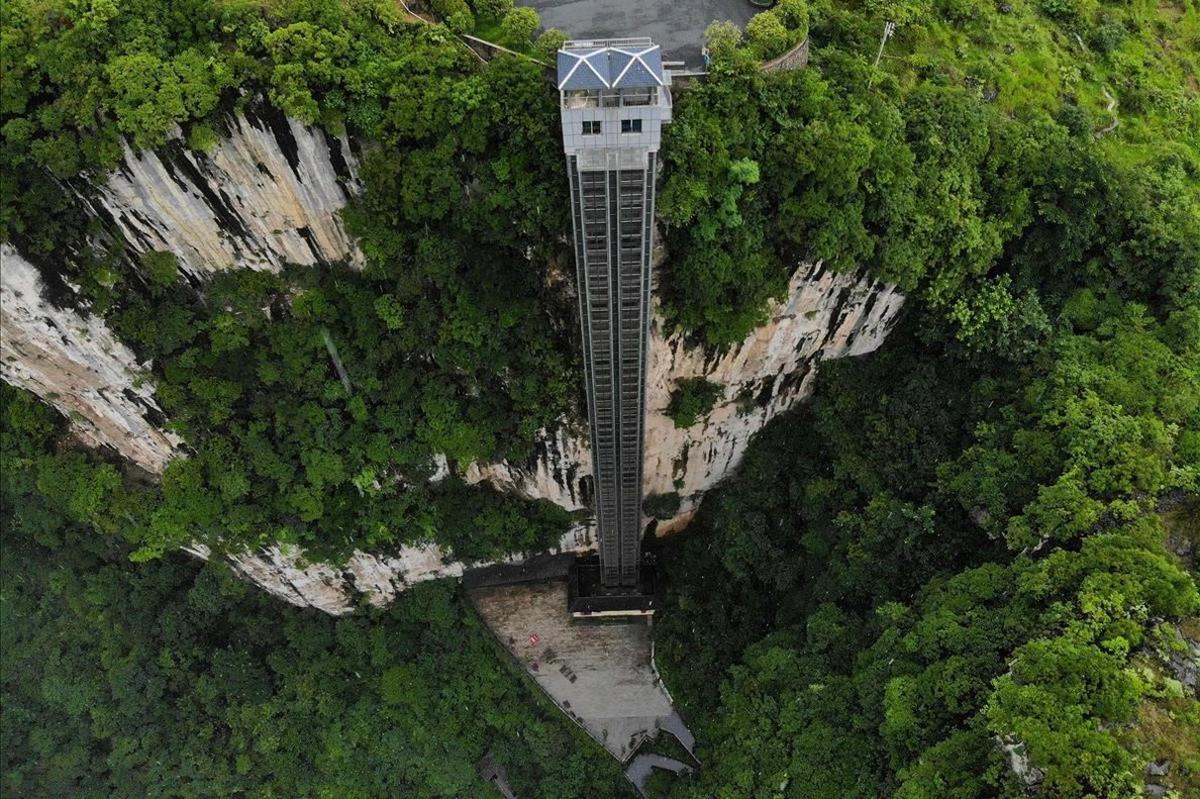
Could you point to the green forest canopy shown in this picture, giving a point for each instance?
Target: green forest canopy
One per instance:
(447, 351)
(955, 170)
(176, 678)
(967, 546)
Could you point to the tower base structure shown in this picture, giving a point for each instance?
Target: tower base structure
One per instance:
(589, 598)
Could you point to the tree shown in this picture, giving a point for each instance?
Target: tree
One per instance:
(722, 39)
(692, 399)
(518, 26)
(768, 36)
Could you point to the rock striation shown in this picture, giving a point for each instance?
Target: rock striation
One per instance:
(77, 365)
(365, 578)
(267, 194)
(824, 315)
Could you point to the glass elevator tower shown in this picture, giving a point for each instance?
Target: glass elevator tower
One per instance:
(615, 100)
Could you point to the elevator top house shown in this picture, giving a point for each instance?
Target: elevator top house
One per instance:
(615, 100)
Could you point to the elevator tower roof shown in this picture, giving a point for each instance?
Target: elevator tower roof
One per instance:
(610, 64)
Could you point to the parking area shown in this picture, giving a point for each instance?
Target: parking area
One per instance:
(677, 25)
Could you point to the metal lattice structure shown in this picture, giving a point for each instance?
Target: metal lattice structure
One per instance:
(614, 102)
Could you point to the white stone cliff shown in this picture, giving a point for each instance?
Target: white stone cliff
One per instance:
(267, 195)
(824, 315)
(78, 366)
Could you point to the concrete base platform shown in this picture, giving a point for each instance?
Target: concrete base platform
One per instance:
(599, 673)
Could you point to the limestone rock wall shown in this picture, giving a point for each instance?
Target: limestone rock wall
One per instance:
(365, 578)
(76, 364)
(267, 194)
(824, 315)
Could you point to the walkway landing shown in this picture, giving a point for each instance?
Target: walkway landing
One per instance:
(598, 673)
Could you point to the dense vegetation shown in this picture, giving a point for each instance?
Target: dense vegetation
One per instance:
(173, 678)
(936, 556)
(955, 574)
(936, 168)
(691, 399)
(451, 338)
(962, 572)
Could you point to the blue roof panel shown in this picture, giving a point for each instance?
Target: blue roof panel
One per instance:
(585, 78)
(637, 76)
(600, 67)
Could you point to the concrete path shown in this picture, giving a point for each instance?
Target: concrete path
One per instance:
(598, 673)
(643, 766)
(677, 25)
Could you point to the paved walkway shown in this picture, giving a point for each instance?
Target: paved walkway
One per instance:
(598, 673)
(643, 766)
(677, 25)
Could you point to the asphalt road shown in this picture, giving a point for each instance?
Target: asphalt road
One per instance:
(677, 25)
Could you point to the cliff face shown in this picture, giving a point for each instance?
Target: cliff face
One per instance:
(365, 578)
(78, 366)
(268, 195)
(825, 315)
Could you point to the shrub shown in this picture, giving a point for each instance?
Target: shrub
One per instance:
(549, 41)
(661, 506)
(461, 22)
(452, 9)
(1057, 9)
(1107, 36)
(794, 16)
(959, 11)
(1075, 118)
(160, 267)
(767, 35)
(494, 9)
(722, 39)
(692, 399)
(201, 137)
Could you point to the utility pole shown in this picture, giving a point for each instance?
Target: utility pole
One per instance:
(888, 29)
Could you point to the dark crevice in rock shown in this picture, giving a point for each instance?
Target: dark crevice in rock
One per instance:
(337, 159)
(184, 172)
(276, 122)
(836, 315)
(311, 241)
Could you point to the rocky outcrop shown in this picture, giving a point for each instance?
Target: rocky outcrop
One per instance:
(77, 365)
(266, 194)
(560, 470)
(824, 315)
(372, 579)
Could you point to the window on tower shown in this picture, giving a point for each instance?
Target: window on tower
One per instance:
(591, 128)
(631, 126)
